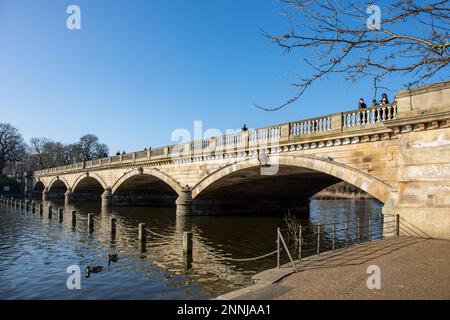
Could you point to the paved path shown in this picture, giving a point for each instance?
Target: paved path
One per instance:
(411, 268)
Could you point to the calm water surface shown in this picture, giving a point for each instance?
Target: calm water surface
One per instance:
(35, 251)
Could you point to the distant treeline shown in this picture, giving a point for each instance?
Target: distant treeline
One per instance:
(16, 156)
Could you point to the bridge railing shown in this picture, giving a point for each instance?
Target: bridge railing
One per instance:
(369, 116)
(239, 141)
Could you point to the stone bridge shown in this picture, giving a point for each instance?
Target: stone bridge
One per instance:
(398, 153)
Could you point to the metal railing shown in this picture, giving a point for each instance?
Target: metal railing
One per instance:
(314, 239)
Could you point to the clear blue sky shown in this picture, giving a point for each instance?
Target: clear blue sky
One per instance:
(137, 70)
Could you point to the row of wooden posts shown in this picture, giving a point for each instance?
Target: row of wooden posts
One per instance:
(142, 227)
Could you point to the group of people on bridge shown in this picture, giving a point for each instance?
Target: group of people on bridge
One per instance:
(384, 100)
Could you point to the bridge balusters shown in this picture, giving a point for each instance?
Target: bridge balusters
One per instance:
(348, 119)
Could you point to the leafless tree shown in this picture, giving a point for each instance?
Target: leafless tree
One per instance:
(340, 37)
(293, 226)
(12, 146)
(47, 153)
(90, 148)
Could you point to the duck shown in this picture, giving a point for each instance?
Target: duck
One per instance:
(112, 257)
(95, 269)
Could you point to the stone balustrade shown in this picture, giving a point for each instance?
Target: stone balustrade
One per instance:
(241, 140)
(369, 116)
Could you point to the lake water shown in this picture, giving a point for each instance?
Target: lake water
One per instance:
(36, 251)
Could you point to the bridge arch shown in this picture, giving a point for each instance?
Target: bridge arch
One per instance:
(88, 187)
(57, 188)
(372, 185)
(150, 172)
(145, 187)
(58, 182)
(91, 176)
(39, 185)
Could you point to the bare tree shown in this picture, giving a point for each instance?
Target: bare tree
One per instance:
(409, 38)
(36, 151)
(12, 146)
(90, 148)
(293, 226)
(47, 153)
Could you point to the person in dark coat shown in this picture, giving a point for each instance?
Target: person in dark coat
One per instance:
(384, 99)
(361, 104)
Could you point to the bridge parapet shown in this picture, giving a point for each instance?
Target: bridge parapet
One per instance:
(261, 138)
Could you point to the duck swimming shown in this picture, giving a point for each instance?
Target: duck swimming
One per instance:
(112, 257)
(95, 269)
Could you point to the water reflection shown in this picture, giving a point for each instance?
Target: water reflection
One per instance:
(36, 250)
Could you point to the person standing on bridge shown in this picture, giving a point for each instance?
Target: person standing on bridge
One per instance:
(384, 99)
(361, 105)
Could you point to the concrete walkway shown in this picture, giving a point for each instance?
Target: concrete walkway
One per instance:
(411, 268)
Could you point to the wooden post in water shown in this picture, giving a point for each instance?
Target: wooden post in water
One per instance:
(50, 211)
(33, 207)
(112, 223)
(41, 209)
(90, 221)
(61, 214)
(142, 233)
(187, 243)
(74, 218)
(370, 228)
